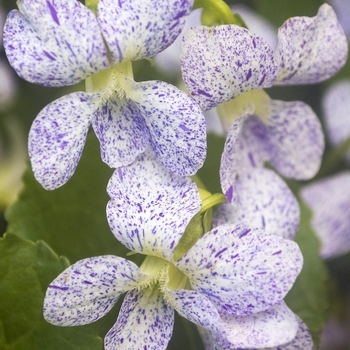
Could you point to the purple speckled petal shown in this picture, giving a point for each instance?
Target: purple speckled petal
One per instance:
(310, 50)
(247, 145)
(197, 308)
(261, 200)
(242, 270)
(88, 289)
(275, 326)
(145, 321)
(121, 131)
(329, 200)
(176, 125)
(139, 29)
(150, 206)
(296, 138)
(336, 107)
(221, 62)
(57, 137)
(54, 42)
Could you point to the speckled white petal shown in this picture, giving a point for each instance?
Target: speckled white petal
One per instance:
(296, 139)
(221, 62)
(150, 206)
(54, 42)
(57, 138)
(242, 270)
(121, 130)
(336, 107)
(329, 199)
(264, 201)
(246, 147)
(145, 321)
(310, 50)
(197, 308)
(275, 326)
(138, 29)
(88, 289)
(302, 341)
(176, 125)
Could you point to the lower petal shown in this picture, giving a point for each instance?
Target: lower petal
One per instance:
(57, 138)
(121, 131)
(145, 321)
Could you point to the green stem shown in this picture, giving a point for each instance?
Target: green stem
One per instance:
(211, 201)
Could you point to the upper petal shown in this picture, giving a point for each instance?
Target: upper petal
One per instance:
(221, 62)
(54, 42)
(88, 289)
(329, 200)
(342, 9)
(242, 270)
(150, 206)
(310, 50)
(57, 138)
(139, 29)
(261, 199)
(176, 125)
(145, 321)
(121, 130)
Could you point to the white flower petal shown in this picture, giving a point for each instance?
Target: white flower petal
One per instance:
(219, 63)
(57, 137)
(121, 130)
(88, 289)
(176, 125)
(150, 206)
(145, 321)
(54, 43)
(310, 50)
(241, 270)
(139, 29)
(261, 200)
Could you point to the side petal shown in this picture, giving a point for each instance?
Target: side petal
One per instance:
(247, 147)
(145, 321)
(134, 30)
(221, 62)
(196, 308)
(241, 270)
(150, 206)
(310, 50)
(296, 140)
(342, 9)
(88, 289)
(329, 200)
(275, 326)
(121, 130)
(54, 43)
(57, 138)
(264, 201)
(176, 125)
(336, 106)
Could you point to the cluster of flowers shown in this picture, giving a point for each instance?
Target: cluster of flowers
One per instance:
(232, 281)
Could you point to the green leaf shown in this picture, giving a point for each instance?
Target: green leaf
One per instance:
(71, 219)
(26, 269)
(308, 297)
